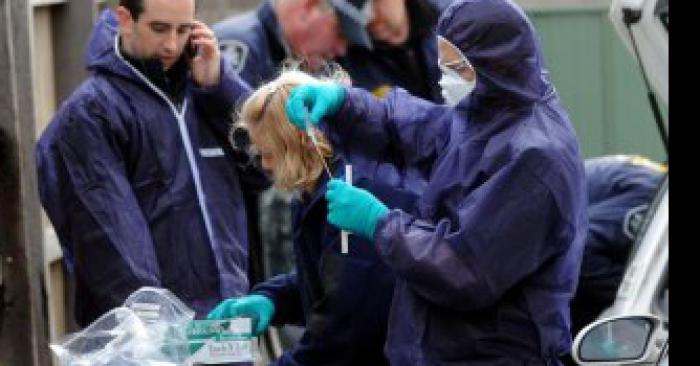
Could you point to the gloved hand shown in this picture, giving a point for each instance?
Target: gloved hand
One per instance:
(258, 307)
(353, 209)
(322, 99)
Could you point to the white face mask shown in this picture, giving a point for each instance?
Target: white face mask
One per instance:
(454, 86)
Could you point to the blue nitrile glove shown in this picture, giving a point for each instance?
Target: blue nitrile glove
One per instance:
(322, 99)
(353, 209)
(258, 307)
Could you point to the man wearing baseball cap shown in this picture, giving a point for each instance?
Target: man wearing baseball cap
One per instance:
(380, 43)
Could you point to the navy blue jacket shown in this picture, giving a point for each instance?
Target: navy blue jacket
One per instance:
(254, 44)
(144, 192)
(343, 300)
(487, 266)
(620, 190)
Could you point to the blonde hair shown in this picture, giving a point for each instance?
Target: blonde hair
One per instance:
(298, 165)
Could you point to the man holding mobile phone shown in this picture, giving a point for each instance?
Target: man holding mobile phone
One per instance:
(134, 170)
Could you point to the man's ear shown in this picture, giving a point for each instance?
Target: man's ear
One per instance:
(126, 21)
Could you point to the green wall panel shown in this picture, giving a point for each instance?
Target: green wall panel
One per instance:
(599, 83)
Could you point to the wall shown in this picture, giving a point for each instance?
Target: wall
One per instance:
(23, 322)
(212, 11)
(599, 82)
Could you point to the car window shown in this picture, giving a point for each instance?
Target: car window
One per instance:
(661, 11)
(663, 187)
(662, 299)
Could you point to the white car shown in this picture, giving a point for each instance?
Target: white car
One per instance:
(634, 329)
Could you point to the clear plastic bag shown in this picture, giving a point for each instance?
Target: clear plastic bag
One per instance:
(166, 320)
(109, 341)
(153, 327)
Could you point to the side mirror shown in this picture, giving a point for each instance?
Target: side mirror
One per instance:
(624, 340)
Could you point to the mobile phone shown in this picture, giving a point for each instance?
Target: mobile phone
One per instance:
(190, 49)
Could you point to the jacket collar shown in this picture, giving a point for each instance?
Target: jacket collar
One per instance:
(172, 81)
(279, 48)
(103, 55)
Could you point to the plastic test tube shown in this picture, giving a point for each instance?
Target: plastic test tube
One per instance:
(344, 234)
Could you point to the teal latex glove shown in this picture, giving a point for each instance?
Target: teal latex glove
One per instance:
(353, 209)
(258, 307)
(322, 99)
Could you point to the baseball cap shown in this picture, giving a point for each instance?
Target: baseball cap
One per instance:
(353, 16)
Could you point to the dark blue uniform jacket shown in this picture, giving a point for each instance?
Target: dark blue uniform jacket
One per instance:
(142, 191)
(487, 266)
(620, 190)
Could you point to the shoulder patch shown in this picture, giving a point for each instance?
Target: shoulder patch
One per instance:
(236, 51)
(633, 220)
(642, 161)
(381, 91)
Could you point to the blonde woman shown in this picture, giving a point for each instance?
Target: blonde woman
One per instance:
(343, 300)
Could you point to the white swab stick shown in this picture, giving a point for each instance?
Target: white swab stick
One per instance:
(344, 234)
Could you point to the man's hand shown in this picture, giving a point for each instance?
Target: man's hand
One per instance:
(353, 209)
(318, 99)
(258, 307)
(206, 67)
